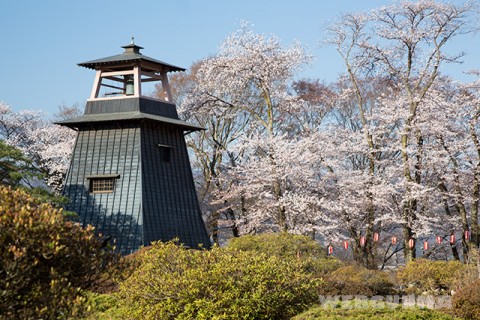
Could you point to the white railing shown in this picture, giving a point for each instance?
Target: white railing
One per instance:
(427, 301)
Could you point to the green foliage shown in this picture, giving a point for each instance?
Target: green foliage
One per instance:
(282, 245)
(466, 301)
(45, 261)
(103, 306)
(427, 276)
(355, 279)
(47, 196)
(14, 166)
(176, 283)
(348, 313)
(288, 246)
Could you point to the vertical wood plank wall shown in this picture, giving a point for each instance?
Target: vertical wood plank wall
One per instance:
(170, 203)
(153, 199)
(110, 150)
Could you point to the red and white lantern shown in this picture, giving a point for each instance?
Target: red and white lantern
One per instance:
(394, 240)
(425, 246)
(330, 250)
(411, 243)
(362, 241)
(345, 245)
(376, 237)
(467, 235)
(438, 239)
(452, 238)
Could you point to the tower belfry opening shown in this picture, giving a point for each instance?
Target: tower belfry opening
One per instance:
(123, 75)
(130, 175)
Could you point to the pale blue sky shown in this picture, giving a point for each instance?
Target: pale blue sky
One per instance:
(42, 41)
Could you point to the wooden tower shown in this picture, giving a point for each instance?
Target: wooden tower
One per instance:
(130, 175)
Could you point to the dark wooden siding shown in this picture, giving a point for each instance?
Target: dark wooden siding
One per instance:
(144, 105)
(170, 203)
(110, 150)
(153, 199)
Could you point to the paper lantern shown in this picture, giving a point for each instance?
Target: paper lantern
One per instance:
(452, 238)
(425, 246)
(362, 241)
(438, 239)
(394, 240)
(330, 250)
(345, 245)
(376, 237)
(411, 243)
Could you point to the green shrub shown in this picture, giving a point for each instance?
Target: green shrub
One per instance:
(466, 302)
(283, 245)
(347, 313)
(104, 306)
(101, 302)
(354, 279)
(176, 283)
(288, 246)
(45, 261)
(426, 276)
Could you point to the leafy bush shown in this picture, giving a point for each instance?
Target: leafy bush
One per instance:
(45, 261)
(466, 302)
(103, 306)
(354, 279)
(427, 276)
(469, 273)
(319, 313)
(176, 283)
(288, 246)
(283, 245)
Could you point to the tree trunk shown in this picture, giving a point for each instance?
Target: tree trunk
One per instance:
(474, 211)
(368, 254)
(455, 254)
(234, 226)
(364, 255)
(409, 253)
(213, 225)
(476, 188)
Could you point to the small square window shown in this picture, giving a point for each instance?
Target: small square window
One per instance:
(165, 152)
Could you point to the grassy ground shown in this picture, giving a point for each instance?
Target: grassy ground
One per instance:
(371, 310)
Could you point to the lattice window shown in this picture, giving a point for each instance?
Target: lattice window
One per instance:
(102, 184)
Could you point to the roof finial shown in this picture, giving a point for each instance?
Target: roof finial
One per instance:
(133, 40)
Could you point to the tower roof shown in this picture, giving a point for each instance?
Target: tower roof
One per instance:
(86, 119)
(130, 109)
(131, 55)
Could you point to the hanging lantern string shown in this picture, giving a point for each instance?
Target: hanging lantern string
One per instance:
(394, 239)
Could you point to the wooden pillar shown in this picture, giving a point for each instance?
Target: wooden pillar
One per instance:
(96, 85)
(137, 79)
(166, 87)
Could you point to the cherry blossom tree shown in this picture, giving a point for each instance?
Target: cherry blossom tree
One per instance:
(392, 145)
(246, 88)
(356, 199)
(458, 141)
(209, 149)
(447, 192)
(47, 145)
(406, 43)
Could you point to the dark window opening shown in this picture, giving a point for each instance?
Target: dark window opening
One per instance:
(165, 152)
